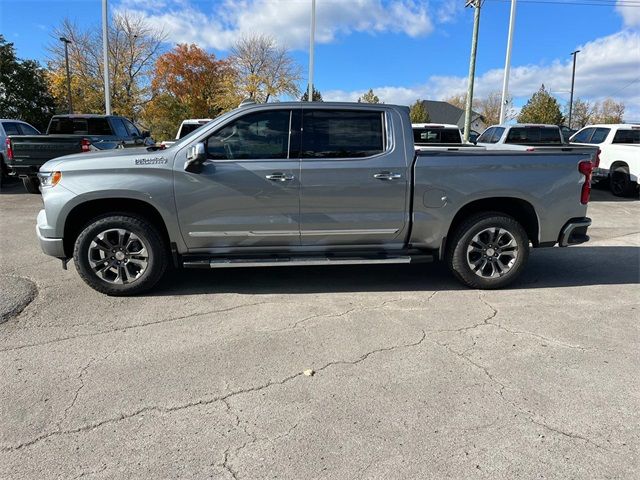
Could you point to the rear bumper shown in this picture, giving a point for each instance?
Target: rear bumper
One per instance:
(50, 246)
(23, 170)
(574, 232)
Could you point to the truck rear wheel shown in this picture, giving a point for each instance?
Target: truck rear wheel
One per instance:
(31, 184)
(120, 255)
(488, 251)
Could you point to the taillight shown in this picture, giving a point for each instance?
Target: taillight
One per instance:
(585, 168)
(85, 144)
(596, 159)
(9, 149)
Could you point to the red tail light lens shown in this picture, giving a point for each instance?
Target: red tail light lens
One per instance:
(585, 168)
(9, 149)
(85, 144)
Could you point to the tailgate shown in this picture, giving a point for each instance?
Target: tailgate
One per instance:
(38, 149)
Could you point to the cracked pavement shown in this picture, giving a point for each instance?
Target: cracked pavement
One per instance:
(414, 376)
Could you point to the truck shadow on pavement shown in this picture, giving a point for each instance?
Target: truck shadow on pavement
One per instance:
(600, 193)
(547, 268)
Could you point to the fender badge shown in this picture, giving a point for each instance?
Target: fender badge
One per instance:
(151, 161)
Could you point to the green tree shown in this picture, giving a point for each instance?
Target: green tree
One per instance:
(23, 88)
(317, 96)
(541, 108)
(369, 97)
(419, 113)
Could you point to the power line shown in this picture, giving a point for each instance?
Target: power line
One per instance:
(593, 3)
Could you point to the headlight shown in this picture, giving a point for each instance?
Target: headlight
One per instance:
(49, 179)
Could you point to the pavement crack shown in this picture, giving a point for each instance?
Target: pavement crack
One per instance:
(77, 392)
(131, 327)
(565, 433)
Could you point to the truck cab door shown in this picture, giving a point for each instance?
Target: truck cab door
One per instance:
(355, 178)
(247, 191)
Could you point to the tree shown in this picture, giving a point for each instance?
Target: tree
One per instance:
(458, 100)
(580, 115)
(317, 96)
(541, 108)
(608, 111)
(419, 113)
(188, 83)
(369, 97)
(23, 88)
(489, 108)
(263, 69)
(134, 46)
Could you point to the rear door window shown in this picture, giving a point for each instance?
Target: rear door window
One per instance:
(342, 134)
(627, 136)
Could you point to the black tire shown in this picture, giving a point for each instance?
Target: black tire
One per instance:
(458, 258)
(31, 185)
(151, 240)
(620, 182)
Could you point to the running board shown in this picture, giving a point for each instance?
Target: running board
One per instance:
(294, 261)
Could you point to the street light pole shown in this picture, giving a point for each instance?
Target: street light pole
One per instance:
(311, 48)
(105, 57)
(573, 79)
(472, 66)
(507, 63)
(66, 42)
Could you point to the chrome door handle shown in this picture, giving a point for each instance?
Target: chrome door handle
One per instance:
(387, 176)
(279, 177)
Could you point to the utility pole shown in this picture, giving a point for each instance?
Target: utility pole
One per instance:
(573, 79)
(507, 63)
(311, 48)
(66, 42)
(105, 57)
(476, 4)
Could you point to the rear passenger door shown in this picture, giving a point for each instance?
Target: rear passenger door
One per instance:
(354, 178)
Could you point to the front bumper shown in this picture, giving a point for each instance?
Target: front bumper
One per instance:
(574, 232)
(50, 246)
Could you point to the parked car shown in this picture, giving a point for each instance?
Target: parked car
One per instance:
(186, 127)
(11, 127)
(68, 134)
(434, 136)
(619, 155)
(254, 188)
(521, 137)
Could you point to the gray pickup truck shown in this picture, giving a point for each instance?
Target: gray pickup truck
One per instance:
(308, 184)
(69, 134)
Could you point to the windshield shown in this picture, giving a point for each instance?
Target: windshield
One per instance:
(195, 132)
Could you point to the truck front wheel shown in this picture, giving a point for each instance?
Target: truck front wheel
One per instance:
(620, 182)
(488, 251)
(120, 255)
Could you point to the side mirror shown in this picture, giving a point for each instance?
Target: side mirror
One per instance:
(145, 134)
(196, 156)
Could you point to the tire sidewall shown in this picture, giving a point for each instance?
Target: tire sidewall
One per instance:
(620, 176)
(467, 230)
(148, 235)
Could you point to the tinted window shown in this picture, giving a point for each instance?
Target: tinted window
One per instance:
(428, 135)
(262, 135)
(341, 134)
(627, 136)
(583, 136)
(79, 126)
(599, 135)
(27, 129)
(118, 125)
(497, 134)
(187, 128)
(534, 135)
(10, 128)
(131, 128)
(486, 136)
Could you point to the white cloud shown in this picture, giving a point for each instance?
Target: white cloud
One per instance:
(606, 67)
(285, 20)
(630, 13)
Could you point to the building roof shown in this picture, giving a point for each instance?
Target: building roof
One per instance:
(444, 112)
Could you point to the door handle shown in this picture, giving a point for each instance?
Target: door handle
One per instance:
(279, 177)
(387, 176)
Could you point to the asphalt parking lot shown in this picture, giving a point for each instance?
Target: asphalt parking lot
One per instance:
(414, 376)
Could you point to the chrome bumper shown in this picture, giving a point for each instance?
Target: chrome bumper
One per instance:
(574, 232)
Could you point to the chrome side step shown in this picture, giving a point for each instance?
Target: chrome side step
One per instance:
(291, 261)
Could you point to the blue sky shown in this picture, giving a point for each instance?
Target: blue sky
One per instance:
(404, 49)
